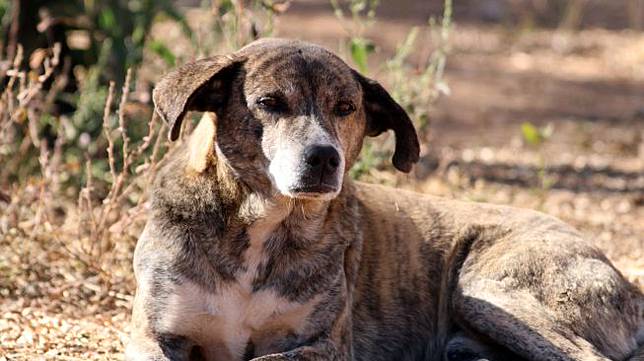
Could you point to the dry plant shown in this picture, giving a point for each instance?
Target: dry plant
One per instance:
(104, 221)
(39, 214)
(25, 100)
(67, 226)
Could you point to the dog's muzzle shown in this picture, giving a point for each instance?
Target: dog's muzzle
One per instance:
(320, 170)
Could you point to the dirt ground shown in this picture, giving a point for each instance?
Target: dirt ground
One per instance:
(588, 84)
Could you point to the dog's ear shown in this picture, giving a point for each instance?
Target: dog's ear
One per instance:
(383, 113)
(202, 85)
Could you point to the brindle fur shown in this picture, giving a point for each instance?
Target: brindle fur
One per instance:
(370, 273)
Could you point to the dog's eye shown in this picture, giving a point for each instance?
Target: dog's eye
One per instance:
(344, 108)
(271, 104)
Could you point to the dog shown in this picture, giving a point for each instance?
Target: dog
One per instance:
(259, 246)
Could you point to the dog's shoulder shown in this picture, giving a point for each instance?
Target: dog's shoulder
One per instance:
(182, 197)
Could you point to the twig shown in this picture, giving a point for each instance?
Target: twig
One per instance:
(44, 166)
(122, 128)
(87, 194)
(106, 130)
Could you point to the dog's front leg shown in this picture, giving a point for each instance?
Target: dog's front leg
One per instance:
(146, 345)
(148, 342)
(334, 345)
(161, 348)
(336, 342)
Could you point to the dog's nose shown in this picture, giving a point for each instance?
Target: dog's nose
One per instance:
(322, 157)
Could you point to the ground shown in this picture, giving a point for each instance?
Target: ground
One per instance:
(588, 84)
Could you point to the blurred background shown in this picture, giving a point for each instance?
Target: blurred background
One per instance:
(532, 103)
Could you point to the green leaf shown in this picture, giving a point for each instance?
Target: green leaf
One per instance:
(107, 20)
(360, 50)
(163, 51)
(138, 35)
(531, 134)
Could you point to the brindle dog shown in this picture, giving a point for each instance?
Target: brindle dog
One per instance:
(259, 247)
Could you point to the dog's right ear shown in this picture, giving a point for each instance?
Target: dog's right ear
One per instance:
(202, 85)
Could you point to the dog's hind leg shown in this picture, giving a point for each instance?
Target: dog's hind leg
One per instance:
(516, 320)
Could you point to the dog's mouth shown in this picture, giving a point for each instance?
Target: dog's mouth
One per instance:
(314, 191)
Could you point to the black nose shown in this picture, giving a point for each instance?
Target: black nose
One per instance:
(322, 158)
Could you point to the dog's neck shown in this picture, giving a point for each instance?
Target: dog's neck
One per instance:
(274, 210)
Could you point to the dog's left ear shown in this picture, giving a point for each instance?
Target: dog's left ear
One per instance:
(383, 113)
(201, 85)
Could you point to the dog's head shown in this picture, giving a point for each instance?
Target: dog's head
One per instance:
(290, 116)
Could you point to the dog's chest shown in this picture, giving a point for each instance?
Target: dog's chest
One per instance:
(235, 322)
